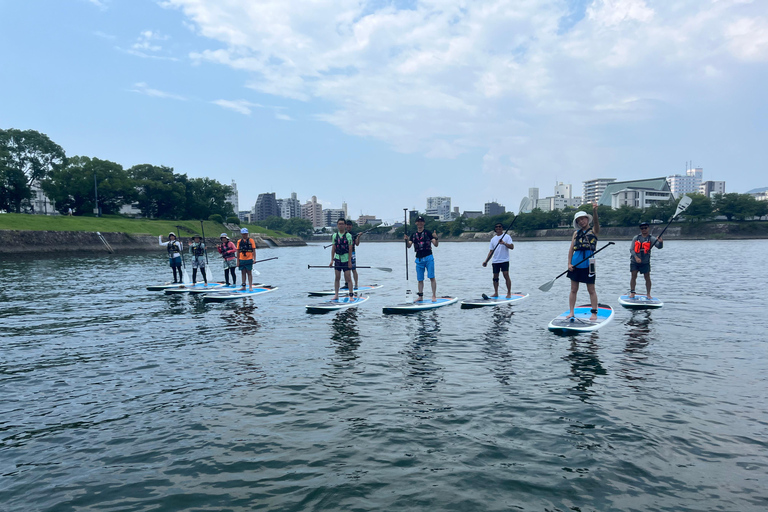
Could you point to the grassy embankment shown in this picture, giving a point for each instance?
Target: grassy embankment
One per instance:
(117, 224)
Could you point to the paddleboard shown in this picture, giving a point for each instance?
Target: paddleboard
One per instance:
(363, 288)
(194, 288)
(581, 322)
(161, 287)
(493, 301)
(334, 305)
(420, 305)
(640, 302)
(223, 296)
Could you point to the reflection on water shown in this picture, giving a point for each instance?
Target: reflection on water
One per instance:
(345, 334)
(495, 346)
(420, 352)
(242, 315)
(585, 365)
(634, 367)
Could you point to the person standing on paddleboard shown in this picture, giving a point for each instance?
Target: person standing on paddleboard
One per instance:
(499, 249)
(174, 255)
(342, 245)
(246, 256)
(640, 258)
(228, 250)
(197, 251)
(355, 243)
(581, 264)
(422, 241)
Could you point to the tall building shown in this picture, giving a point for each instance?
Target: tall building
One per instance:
(233, 199)
(710, 188)
(439, 207)
(368, 219)
(493, 208)
(290, 207)
(344, 207)
(688, 183)
(332, 215)
(593, 189)
(266, 206)
(564, 190)
(313, 212)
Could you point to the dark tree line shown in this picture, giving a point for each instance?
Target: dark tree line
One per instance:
(28, 157)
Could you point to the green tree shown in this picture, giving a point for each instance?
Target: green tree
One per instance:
(726, 204)
(72, 186)
(28, 154)
(626, 216)
(274, 223)
(298, 226)
(205, 197)
(700, 208)
(159, 194)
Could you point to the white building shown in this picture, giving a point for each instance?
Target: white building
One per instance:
(233, 198)
(593, 189)
(313, 212)
(290, 207)
(564, 190)
(40, 203)
(439, 207)
(639, 197)
(548, 204)
(688, 183)
(710, 188)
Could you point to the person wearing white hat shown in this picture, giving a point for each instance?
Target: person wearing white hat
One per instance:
(581, 264)
(174, 255)
(227, 250)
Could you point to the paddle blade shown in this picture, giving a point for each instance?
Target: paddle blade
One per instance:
(683, 205)
(256, 273)
(547, 286)
(384, 269)
(525, 205)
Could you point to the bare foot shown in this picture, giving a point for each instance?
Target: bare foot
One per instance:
(509, 295)
(434, 298)
(593, 317)
(335, 297)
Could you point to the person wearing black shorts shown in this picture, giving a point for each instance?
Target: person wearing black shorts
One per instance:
(640, 258)
(580, 252)
(499, 249)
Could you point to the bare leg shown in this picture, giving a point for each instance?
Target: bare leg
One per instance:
(250, 280)
(242, 278)
(592, 300)
(434, 289)
(572, 297)
(508, 281)
(632, 284)
(421, 290)
(336, 281)
(354, 274)
(648, 285)
(348, 279)
(496, 285)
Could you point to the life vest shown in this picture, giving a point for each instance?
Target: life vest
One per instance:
(341, 243)
(421, 241)
(198, 249)
(585, 241)
(245, 245)
(173, 247)
(642, 247)
(227, 250)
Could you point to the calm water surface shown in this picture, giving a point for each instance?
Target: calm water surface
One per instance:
(116, 398)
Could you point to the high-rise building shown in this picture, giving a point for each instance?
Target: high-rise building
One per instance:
(439, 207)
(266, 206)
(710, 188)
(344, 207)
(332, 215)
(593, 189)
(313, 212)
(290, 207)
(688, 183)
(233, 198)
(494, 208)
(564, 190)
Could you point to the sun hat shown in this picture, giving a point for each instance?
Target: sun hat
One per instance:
(172, 234)
(224, 235)
(577, 216)
(244, 230)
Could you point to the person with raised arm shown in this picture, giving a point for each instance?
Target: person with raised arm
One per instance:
(581, 264)
(174, 255)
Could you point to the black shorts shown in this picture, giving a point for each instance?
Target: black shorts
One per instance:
(581, 275)
(500, 267)
(643, 268)
(338, 265)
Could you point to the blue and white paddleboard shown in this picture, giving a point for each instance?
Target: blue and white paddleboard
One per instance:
(194, 288)
(335, 305)
(640, 302)
(164, 286)
(420, 305)
(493, 301)
(362, 288)
(581, 322)
(239, 293)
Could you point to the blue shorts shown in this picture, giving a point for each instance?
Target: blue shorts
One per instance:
(175, 262)
(354, 261)
(246, 265)
(428, 263)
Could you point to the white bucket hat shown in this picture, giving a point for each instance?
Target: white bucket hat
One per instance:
(576, 218)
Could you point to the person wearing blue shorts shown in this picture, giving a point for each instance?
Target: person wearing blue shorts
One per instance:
(422, 242)
(174, 255)
(355, 243)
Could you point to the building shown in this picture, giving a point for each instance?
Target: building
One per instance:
(364, 219)
(533, 195)
(639, 197)
(439, 207)
(233, 198)
(658, 184)
(761, 194)
(549, 204)
(472, 214)
(564, 190)
(332, 215)
(313, 212)
(710, 188)
(266, 206)
(593, 189)
(245, 216)
(373, 222)
(688, 183)
(493, 208)
(290, 207)
(344, 208)
(39, 202)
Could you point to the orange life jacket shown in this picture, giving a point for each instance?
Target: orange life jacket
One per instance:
(642, 247)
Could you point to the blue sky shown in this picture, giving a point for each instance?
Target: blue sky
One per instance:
(381, 104)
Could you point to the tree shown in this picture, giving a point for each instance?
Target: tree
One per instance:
(159, 193)
(700, 208)
(205, 197)
(72, 186)
(298, 226)
(28, 154)
(726, 204)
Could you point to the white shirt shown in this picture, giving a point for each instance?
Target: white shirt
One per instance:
(501, 254)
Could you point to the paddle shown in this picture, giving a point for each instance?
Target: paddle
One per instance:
(548, 285)
(205, 249)
(524, 205)
(408, 296)
(683, 205)
(181, 253)
(385, 269)
(267, 259)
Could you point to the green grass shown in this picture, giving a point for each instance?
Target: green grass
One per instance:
(118, 224)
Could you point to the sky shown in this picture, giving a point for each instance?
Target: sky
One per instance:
(382, 103)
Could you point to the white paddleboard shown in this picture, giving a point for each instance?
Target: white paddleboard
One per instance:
(194, 288)
(420, 305)
(493, 301)
(640, 302)
(335, 305)
(362, 288)
(240, 293)
(164, 286)
(581, 322)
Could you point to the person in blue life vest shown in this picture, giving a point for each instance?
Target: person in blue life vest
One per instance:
(355, 243)
(341, 260)
(197, 251)
(246, 257)
(422, 242)
(581, 264)
(174, 255)
(640, 258)
(499, 249)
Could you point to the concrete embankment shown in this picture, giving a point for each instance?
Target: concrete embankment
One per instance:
(29, 242)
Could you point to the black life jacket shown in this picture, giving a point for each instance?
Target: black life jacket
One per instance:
(341, 243)
(173, 247)
(585, 241)
(422, 241)
(245, 245)
(198, 249)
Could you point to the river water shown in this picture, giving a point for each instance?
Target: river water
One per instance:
(116, 398)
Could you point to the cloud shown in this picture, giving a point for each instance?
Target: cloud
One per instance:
(240, 106)
(513, 79)
(143, 88)
(146, 46)
(101, 4)
(104, 35)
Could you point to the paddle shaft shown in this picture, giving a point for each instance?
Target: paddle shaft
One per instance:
(267, 259)
(202, 228)
(181, 251)
(510, 226)
(585, 259)
(405, 227)
(356, 266)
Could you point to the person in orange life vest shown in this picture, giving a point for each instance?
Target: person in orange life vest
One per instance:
(341, 249)
(246, 256)
(422, 241)
(583, 244)
(640, 258)
(227, 250)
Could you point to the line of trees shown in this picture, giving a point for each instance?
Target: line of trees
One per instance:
(28, 157)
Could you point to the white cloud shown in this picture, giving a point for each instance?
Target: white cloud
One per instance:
(101, 4)
(445, 77)
(143, 88)
(240, 106)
